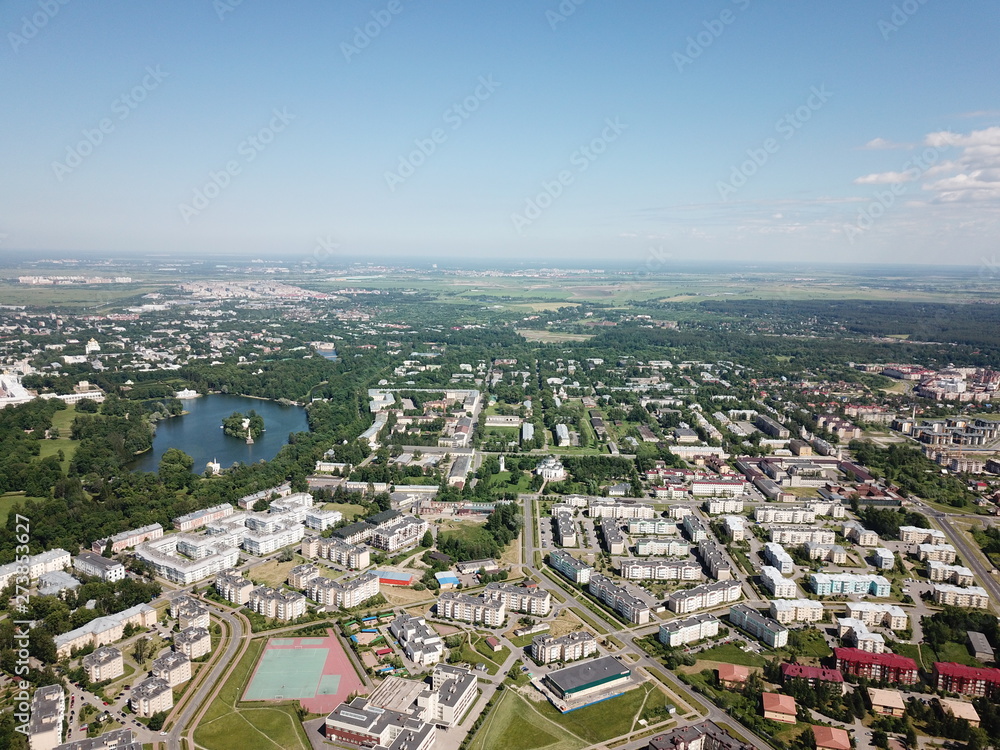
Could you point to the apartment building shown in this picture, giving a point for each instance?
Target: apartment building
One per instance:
(830, 584)
(855, 532)
(126, 539)
(193, 642)
(779, 586)
(883, 558)
(565, 528)
(916, 535)
(832, 553)
(344, 594)
(233, 587)
(35, 566)
(613, 540)
(650, 569)
(718, 505)
(975, 681)
(104, 664)
(399, 535)
(798, 535)
(161, 556)
(631, 608)
(705, 596)
(705, 487)
(103, 630)
(532, 601)
(775, 556)
(956, 596)
(689, 630)
(48, 712)
(695, 529)
(321, 520)
(769, 632)
(944, 553)
(958, 575)
(92, 564)
(668, 547)
(475, 609)
(197, 519)
(789, 611)
(652, 526)
(417, 639)
(873, 614)
(265, 542)
(570, 647)
(716, 562)
(602, 508)
(300, 575)
(277, 604)
(828, 508)
(151, 696)
(735, 527)
(575, 570)
(337, 551)
(876, 667)
(784, 514)
(174, 667)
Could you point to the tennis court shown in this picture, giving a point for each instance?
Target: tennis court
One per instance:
(315, 671)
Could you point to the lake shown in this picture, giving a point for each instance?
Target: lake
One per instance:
(199, 432)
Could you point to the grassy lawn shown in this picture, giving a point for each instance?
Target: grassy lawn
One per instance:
(513, 725)
(603, 721)
(810, 643)
(229, 726)
(9, 499)
(956, 652)
(730, 653)
(498, 657)
(272, 573)
(350, 510)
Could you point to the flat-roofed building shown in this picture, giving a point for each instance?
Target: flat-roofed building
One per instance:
(161, 555)
(337, 551)
(790, 514)
(116, 739)
(884, 558)
(588, 678)
(321, 520)
(401, 534)
(104, 664)
(653, 526)
(151, 696)
(126, 539)
(688, 630)
(874, 614)
(735, 527)
(92, 564)
(960, 710)
(193, 642)
(197, 519)
(788, 611)
(915, 535)
(417, 639)
(189, 612)
(959, 678)
(799, 535)
(832, 553)
(769, 632)
(103, 630)
(614, 540)
(829, 584)
(360, 724)
(715, 561)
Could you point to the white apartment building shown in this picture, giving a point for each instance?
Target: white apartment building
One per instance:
(532, 601)
(151, 696)
(956, 596)
(788, 611)
(790, 514)
(775, 555)
(277, 604)
(956, 574)
(874, 614)
(779, 586)
(92, 564)
(689, 630)
(944, 553)
(193, 642)
(337, 551)
(474, 609)
(104, 664)
(651, 569)
(173, 667)
(718, 505)
(705, 596)
(668, 547)
(799, 535)
(570, 647)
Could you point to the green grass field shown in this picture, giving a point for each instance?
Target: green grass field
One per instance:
(227, 726)
(9, 500)
(730, 653)
(350, 510)
(514, 725)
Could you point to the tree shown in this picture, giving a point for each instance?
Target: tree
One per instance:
(175, 469)
(427, 540)
(141, 650)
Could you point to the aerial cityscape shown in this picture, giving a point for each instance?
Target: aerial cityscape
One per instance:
(555, 375)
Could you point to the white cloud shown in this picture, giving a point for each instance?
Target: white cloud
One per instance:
(881, 144)
(885, 178)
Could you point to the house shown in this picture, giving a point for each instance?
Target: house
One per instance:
(778, 707)
(733, 676)
(886, 702)
(831, 738)
(960, 710)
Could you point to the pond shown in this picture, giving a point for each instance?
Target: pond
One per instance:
(199, 432)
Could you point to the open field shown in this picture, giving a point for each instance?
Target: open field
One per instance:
(272, 573)
(514, 726)
(350, 510)
(228, 727)
(551, 337)
(9, 499)
(403, 596)
(81, 295)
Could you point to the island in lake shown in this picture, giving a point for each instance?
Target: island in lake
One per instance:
(249, 426)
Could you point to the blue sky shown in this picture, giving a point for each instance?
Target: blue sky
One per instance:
(861, 130)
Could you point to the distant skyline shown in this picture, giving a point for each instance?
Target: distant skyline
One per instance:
(537, 131)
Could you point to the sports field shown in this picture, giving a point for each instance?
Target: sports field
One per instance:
(314, 671)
